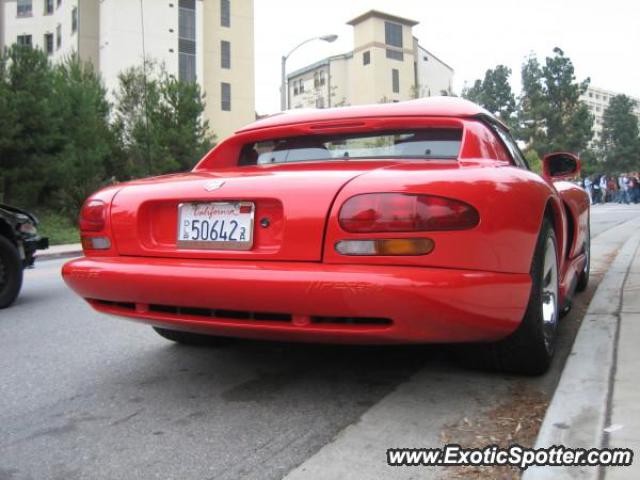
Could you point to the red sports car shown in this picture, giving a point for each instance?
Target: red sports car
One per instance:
(413, 222)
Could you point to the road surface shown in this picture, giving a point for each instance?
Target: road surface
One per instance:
(83, 395)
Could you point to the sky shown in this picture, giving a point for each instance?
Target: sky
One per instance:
(602, 38)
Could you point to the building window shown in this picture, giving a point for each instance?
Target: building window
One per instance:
(319, 78)
(48, 7)
(25, 8)
(225, 13)
(298, 87)
(48, 43)
(393, 34)
(59, 3)
(187, 20)
(24, 41)
(58, 36)
(395, 54)
(366, 58)
(225, 97)
(186, 67)
(187, 41)
(225, 54)
(395, 80)
(74, 20)
(320, 102)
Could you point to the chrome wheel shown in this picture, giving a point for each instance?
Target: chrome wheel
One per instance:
(550, 292)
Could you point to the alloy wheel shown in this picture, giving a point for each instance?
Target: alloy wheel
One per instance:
(550, 293)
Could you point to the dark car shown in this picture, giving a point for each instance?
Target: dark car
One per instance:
(19, 241)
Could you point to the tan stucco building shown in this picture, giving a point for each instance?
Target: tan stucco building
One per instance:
(387, 64)
(208, 41)
(597, 100)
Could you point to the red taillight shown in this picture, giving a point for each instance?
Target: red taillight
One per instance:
(93, 216)
(399, 212)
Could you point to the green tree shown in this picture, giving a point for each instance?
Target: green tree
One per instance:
(534, 161)
(619, 142)
(474, 93)
(551, 116)
(180, 117)
(494, 93)
(531, 104)
(158, 123)
(31, 134)
(569, 123)
(80, 168)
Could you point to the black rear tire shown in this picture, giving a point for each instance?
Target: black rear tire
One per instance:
(189, 338)
(583, 278)
(10, 272)
(527, 351)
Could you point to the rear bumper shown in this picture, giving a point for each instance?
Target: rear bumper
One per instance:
(313, 302)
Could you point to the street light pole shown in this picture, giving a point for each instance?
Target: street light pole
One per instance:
(284, 92)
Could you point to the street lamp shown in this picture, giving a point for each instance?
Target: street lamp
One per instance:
(283, 80)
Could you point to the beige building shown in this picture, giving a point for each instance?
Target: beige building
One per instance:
(387, 64)
(208, 41)
(597, 99)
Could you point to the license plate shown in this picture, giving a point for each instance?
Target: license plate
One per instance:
(216, 225)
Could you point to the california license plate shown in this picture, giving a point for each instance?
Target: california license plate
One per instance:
(216, 225)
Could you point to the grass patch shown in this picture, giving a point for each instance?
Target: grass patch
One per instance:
(59, 228)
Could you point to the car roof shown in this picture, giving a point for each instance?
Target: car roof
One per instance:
(423, 107)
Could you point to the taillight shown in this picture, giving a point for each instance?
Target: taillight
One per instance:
(400, 212)
(93, 216)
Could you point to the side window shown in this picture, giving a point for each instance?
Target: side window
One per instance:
(513, 149)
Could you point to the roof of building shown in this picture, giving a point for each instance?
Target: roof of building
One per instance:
(594, 89)
(320, 63)
(383, 15)
(436, 57)
(424, 107)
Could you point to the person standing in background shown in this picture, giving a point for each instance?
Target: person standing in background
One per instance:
(603, 188)
(595, 186)
(635, 187)
(623, 187)
(588, 183)
(613, 189)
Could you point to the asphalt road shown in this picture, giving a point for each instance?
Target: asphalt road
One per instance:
(83, 395)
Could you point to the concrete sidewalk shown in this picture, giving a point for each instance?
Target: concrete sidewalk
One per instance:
(597, 401)
(624, 411)
(60, 251)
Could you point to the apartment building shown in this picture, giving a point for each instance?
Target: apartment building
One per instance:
(597, 99)
(206, 41)
(387, 64)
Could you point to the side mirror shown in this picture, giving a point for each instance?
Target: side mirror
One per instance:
(560, 165)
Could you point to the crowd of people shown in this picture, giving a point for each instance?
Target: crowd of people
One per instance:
(623, 188)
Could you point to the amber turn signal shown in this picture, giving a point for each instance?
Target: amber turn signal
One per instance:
(386, 246)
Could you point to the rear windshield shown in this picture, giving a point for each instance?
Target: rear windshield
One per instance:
(433, 143)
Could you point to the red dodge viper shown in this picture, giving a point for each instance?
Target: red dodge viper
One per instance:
(414, 222)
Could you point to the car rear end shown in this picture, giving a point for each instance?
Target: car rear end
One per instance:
(320, 233)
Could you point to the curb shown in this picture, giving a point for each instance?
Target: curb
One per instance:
(579, 409)
(58, 255)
